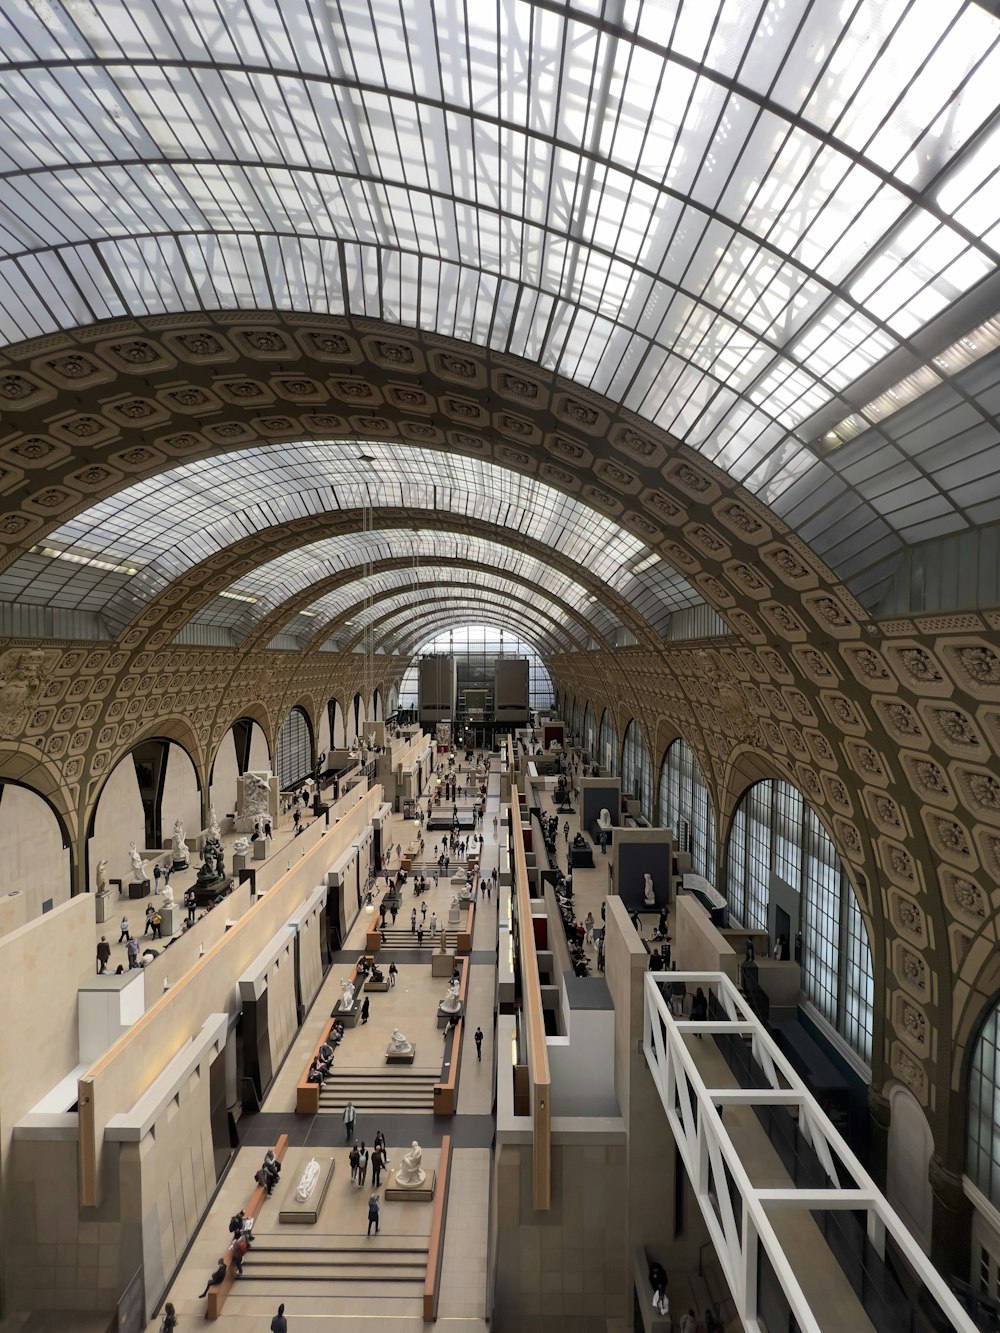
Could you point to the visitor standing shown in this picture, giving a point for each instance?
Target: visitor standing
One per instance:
(126, 934)
(279, 1324)
(353, 1159)
(373, 1213)
(132, 950)
(103, 955)
(378, 1160)
(413, 922)
(349, 1118)
(364, 1012)
(363, 1156)
(479, 1044)
(393, 973)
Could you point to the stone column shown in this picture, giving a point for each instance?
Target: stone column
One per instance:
(951, 1226)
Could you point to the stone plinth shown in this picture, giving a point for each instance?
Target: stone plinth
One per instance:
(259, 849)
(240, 862)
(443, 964)
(454, 916)
(445, 1014)
(414, 1193)
(137, 890)
(102, 907)
(401, 1057)
(308, 1212)
(170, 917)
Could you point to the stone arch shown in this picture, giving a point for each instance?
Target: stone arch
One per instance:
(38, 854)
(295, 749)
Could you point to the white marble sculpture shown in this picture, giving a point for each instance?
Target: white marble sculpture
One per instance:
(451, 1004)
(409, 1174)
(213, 823)
(256, 796)
(102, 876)
(604, 819)
(308, 1182)
(241, 846)
(648, 895)
(179, 847)
(398, 1044)
(347, 995)
(168, 896)
(140, 868)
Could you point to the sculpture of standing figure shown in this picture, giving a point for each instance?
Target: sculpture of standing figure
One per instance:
(213, 823)
(102, 876)
(451, 1004)
(346, 995)
(140, 868)
(179, 847)
(648, 896)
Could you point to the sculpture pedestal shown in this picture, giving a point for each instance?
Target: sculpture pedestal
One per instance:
(240, 862)
(454, 916)
(136, 890)
(415, 1193)
(308, 1211)
(259, 849)
(401, 1057)
(102, 907)
(170, 917)
(445, 1014)
(443, 964)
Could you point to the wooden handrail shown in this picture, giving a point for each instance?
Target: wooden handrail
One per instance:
(445, 1091)
(435, 1248)
(534, 1019)
(217, 1295)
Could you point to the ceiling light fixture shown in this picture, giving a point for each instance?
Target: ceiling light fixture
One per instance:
(645, 564)
(238, 596)
(95, 562)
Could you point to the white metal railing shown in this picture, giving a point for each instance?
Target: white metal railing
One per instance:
(710, 1157)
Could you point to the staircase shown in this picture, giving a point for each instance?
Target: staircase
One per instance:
(391, 1088)
(403, 939)
(318, 1266)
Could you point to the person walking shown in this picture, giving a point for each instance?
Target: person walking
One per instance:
(132, 950)
(169, 1322)
(393, 974)
(373, 1214)
(496, 825)
(600, 953)
(279, 1324)
(353, 1159)
(126, 934)
(157, 872)
(479, 1045)
(423, 912)
(413, 922)
(150, 910)
(349, 1117)
(589, 923)
(566, 830)
(103, 955)
(364, 1012)
(363, 1155)
(434, 923)
(191, 903)
(420, 937)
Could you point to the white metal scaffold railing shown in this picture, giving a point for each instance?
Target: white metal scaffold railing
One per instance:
(711, 1160)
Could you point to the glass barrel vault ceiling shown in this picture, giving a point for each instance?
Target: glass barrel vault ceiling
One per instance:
(432, 578)
(743, 219)
(157, 530)
(272, 585)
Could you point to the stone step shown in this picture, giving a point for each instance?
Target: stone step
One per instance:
(337, 1245)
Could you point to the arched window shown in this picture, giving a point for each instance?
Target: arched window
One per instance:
(982, 1144)
(576, 722)
(294, 758)
(607, 744)
(686, 807)
(637, 770)
(776, 834)
(590, 732)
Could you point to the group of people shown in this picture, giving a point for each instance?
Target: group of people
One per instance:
(689, 1322)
